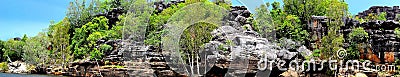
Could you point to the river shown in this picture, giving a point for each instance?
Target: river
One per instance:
(25, 75)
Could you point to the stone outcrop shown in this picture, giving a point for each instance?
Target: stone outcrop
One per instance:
(235, 46)
(232, 42)
(112, 15)
(17, 67)
(381, 36)
(390, 11)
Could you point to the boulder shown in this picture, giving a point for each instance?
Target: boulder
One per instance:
(304, 51)
(240, 19)
(17, 67)
(246, 13)
(286, 54)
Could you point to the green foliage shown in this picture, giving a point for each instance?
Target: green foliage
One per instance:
(358, 35)
(374, 16)
(263, 23)
(382, 16)
(35, 50)
(194, 1)
(229, 42)
(136, 20)
(1, 50)
(316, 53)
(285, 25)
(105, 48)
(80, 12)
(397, 32)
(361, 20)
(13, 49)
(85, 38)
(83, 24)
(60, 40)
(194, 37)
(96, 54)
(95, 36)
(221, 47)
(24, 38)
(330, 44)
(304, 9)
(3, 66)
(154, 30)
(334, 40)
(397, 17)
(371, 17)
(353, 52)
(225, 3)
(114, 33)
(292, 29)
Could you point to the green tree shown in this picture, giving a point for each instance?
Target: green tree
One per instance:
(35, 51)
(136, 21)
(24, 38)
(304, 9)
(291, 28)
(13, 49)
(60, 40)
(84, 40)
(1, 50)
(334, 40)
(193, 38)
(154, 30)
(80, 12)
(358, 35)
(357, 38)
(285, 25)
(263, 22)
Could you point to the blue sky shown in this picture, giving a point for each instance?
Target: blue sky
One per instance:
(18, 17)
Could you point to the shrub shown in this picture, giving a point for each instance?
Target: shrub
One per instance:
(105, 48)
(3, 66)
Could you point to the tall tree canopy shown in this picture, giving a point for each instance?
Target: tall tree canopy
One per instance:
(334, 40)
(304, 9)
(36, 51)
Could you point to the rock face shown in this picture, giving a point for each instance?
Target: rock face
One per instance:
(229, 45)
(236, 48)
(112, 15)
(136, 61)
(17, 67)
(114, 55)
(382, 36)
(390, 11)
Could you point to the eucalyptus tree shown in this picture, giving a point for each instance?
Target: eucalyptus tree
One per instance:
(357, 38)
(36, 50)
(13, 50)
(60, 41)
(334, 40)
(304, 9)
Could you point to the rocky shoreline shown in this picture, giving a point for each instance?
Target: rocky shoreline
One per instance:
(235, 47)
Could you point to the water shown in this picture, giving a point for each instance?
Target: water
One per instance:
(25, 75)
